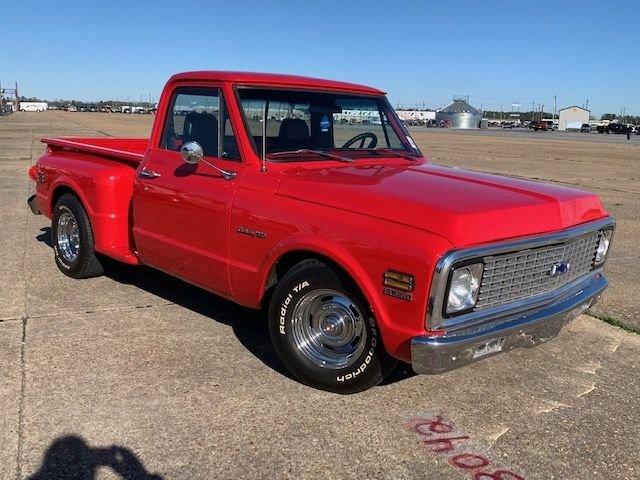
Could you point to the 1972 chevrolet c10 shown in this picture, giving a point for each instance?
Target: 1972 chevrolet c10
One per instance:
(309, 198)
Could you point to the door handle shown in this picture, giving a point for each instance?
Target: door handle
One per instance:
(144, 173)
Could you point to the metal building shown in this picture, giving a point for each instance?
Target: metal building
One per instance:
(572, 118)
(459, 114)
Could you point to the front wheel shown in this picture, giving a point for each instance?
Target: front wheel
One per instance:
(73, 239)
(324, 333)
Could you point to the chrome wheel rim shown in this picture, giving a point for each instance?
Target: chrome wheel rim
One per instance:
(68, 237)
(328, 329)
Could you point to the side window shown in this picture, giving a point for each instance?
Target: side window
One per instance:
(194, 115)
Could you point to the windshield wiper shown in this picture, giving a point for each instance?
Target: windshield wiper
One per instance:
(317, 152)
(399, 153)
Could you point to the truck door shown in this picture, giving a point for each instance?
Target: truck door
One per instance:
(181, 212)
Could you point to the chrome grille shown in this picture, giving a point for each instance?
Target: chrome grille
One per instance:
(513, 276)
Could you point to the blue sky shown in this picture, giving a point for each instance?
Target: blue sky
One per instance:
(496, 52)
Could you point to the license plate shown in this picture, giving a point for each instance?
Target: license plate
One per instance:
(492, 346)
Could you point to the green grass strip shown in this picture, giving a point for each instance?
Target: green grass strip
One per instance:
(615, 322)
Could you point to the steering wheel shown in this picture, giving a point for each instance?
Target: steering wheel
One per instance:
(362, 137)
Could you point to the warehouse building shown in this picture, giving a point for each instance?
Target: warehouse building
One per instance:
(572, 118)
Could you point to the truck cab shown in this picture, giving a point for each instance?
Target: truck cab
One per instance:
(309, 198)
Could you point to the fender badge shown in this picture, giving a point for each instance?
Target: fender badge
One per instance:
(398, 294)
(251, 233)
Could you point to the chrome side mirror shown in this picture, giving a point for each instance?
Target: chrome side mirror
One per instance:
(192, 152)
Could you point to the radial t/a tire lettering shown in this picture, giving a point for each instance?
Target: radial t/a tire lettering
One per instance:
(324, 332)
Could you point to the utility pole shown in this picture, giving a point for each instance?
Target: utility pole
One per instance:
(17, 99)
(555, 106)
(587, 107)
(533, 111)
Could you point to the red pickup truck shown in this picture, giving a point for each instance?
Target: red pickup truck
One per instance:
(309, 198)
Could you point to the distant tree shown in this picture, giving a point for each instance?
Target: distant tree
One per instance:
(29, 99)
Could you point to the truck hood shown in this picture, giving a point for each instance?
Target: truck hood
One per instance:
(463, 206)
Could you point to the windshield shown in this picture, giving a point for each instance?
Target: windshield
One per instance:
(309, 125)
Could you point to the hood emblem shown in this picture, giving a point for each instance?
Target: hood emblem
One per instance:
(559, 268)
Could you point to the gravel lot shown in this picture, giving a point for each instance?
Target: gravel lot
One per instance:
(137, 374)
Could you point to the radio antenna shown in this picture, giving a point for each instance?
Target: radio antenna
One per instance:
(264, 135)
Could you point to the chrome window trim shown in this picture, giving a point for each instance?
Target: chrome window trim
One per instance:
(435, 319)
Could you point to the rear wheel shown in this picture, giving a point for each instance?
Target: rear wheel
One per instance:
(73, 239)
(324, 333)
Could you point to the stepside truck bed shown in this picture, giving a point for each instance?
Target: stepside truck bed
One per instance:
(100, 171)
(130, 150)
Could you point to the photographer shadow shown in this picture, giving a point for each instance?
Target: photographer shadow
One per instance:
(71, 458)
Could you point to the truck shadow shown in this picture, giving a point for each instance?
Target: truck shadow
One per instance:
(71, 458)
(249, 326)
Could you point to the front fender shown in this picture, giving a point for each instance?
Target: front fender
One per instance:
(323, 247)
(265, 228)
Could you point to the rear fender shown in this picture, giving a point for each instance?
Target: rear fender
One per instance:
(105, 190)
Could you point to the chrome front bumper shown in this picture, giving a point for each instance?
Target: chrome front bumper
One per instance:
(432, 354)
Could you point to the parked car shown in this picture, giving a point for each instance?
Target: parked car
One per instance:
(509, 125)
(585, 128)
(551, 125)
(539, 125)
(360, 250)
(614, 128)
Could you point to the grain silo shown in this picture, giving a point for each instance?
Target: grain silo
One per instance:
(459, 114)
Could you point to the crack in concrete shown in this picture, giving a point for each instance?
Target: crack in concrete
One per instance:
(23, 379)
(89, 312)
(24, 318)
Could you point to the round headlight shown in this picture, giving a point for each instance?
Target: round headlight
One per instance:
(463, 288)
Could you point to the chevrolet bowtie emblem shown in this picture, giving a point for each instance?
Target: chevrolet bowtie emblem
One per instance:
(559, 268)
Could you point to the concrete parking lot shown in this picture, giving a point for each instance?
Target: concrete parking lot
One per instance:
(138, 375)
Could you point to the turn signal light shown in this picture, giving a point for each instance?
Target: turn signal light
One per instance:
(398, 280)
